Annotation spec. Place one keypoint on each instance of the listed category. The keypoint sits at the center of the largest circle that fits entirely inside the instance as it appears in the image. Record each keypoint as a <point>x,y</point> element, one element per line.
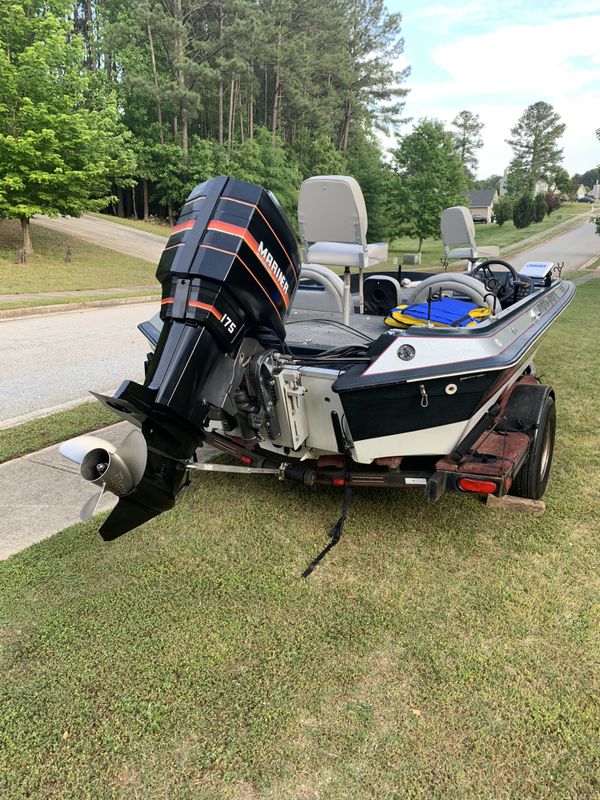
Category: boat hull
<point>425,406</point>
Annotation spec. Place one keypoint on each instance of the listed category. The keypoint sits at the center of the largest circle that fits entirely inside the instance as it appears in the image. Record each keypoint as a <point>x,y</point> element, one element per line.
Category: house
<point>582,191</point>
<point>481,202</point>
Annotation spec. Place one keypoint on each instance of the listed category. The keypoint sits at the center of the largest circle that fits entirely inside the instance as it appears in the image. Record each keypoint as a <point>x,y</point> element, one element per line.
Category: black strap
<point>335,534</point>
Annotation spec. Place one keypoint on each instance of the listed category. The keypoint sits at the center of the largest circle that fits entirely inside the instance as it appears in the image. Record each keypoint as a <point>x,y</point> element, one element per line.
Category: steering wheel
<point>503,290</point>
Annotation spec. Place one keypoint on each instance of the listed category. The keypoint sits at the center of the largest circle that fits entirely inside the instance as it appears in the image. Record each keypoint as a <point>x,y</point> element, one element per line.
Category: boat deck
<point>326,328</point>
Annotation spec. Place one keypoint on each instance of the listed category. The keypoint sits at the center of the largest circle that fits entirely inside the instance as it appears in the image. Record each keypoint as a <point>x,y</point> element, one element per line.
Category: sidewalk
<point>42,493</point>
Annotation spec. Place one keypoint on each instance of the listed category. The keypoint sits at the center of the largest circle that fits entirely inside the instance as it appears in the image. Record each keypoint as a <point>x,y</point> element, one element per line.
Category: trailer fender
<point>524,408</point>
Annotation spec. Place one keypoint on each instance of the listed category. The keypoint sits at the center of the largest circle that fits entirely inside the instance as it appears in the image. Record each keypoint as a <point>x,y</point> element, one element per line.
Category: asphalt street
<point>575,248</point>
<point>48,361</point>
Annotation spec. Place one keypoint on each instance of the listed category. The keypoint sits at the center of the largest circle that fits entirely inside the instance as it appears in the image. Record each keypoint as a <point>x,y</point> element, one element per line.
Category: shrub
<point>503,210</point>
<point>539,208</point>
<point>523,212</point>
<point>552,202</point>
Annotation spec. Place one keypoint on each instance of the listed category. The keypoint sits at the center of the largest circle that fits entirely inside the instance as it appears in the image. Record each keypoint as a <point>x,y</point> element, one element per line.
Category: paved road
<point>48,361</point>
<point>574,247</point>
<point>130,241</point>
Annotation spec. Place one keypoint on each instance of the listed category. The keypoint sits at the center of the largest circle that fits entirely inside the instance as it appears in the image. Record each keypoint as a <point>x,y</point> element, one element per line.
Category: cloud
<point>497,74</point>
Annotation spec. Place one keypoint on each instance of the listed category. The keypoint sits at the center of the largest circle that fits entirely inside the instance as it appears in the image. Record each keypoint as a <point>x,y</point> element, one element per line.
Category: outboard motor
<point>229,271</point>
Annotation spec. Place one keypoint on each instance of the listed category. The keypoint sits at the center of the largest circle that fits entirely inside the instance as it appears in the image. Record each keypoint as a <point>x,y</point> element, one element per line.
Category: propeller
<point>113,469</point>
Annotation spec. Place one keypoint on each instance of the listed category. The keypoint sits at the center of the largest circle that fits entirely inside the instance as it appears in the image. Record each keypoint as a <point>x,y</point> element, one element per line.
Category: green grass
<point>92,267</point>
<point>76,299</point>
<point>442,651</point>
<point>505,236</point>
<point>39,433</point>
<point>161,228</point>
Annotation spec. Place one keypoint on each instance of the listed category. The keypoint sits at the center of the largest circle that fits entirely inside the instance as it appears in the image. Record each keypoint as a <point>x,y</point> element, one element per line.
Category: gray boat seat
<point>319,289</point>
<point>332,217</point>
<point>458,236</point>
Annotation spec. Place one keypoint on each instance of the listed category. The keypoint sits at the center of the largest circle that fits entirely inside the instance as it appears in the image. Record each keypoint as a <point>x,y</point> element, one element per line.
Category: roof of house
<point>478,198</point>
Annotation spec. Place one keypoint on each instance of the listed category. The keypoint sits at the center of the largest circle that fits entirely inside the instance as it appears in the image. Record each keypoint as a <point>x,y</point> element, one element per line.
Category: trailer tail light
<point>338,482</point>
<point>477,486</point>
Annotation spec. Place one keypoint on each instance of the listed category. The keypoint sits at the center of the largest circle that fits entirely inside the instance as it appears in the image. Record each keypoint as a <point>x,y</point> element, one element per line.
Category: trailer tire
<point>532,478</point>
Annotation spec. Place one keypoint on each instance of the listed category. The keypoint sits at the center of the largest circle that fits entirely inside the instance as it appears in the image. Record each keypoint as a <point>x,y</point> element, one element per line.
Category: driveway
<point>130,241</point>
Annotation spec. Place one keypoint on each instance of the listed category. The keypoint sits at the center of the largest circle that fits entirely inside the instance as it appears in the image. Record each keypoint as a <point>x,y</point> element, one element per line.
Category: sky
<point>496,57</point>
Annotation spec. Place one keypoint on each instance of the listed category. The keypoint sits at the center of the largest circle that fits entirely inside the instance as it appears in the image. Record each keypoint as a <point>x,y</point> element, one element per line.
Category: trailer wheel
<point>532,478</point>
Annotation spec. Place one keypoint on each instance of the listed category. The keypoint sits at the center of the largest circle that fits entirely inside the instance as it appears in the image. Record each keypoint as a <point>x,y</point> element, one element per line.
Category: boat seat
<point>319,289</point>
<point>458,236</point>
<point>333,223</point>
<point>347,255</point>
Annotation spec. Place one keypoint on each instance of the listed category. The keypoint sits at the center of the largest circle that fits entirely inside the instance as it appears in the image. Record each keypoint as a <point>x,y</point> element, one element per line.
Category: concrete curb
<point>61,308</point>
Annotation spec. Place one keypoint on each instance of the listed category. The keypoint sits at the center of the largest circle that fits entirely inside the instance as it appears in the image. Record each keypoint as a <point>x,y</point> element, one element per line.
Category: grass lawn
<point>39,433</point>
<point>162,228</point>
<point>83,298</point>
<point>504,236</point>
<point>440,651</point>
<point>92,267</point>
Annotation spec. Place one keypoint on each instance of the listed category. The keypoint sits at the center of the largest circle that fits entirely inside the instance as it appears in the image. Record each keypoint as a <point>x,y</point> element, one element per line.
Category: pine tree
<point>370,83</point>
<point>468,141</point>
<point>503,210</point>
<point>535,145</point>
<point>523,212</point>
<point>539,208</point>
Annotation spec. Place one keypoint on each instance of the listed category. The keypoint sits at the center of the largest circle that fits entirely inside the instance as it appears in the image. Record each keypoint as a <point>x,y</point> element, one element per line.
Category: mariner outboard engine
<point>228,273</point>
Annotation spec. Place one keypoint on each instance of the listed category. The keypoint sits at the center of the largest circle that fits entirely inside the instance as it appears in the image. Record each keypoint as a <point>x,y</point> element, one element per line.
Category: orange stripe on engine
<point>185,226</point>
<point>167,300</point>
<point>244,233</point>
<point>206,307</point>
<point>253,205</point>
<point>247,268</point>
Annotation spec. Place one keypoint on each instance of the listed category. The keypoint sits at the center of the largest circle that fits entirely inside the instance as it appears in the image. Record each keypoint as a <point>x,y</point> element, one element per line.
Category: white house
<point>481,202</point>
<point>581,192</point>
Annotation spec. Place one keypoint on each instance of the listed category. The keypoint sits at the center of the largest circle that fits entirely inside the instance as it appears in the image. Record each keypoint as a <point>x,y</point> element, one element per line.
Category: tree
<point>523,212</point>
<point>56,155</point>
<point>468,141</point>
<point>552,202</point>
<point>503,209</point>
<point>562,180</point>
<point>430,178</point>
<point>535,145</point>
<point>539,208</point>
<point>365,163</point>
<point>369,82</point>
<point>493,182</point>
